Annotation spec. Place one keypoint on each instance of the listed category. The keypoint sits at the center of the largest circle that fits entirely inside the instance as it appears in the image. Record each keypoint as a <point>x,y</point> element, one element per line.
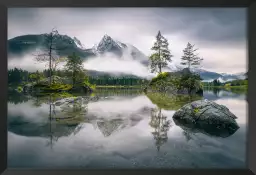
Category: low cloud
<point>112,64</point>
<point>106,63</point>
<point>27,62</point>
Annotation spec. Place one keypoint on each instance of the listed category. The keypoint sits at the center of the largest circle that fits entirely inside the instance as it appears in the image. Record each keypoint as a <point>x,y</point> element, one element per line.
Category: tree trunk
<point>50,61</point>
<point>73,80</point>
<point>189,66</point>
<point>159,65</point>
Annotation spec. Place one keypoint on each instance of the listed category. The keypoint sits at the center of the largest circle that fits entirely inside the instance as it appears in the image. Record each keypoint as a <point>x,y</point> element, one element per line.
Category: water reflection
<point>109,127</point>
<point>116,129</point>
<point>17,98</point>
<point>216,91</point>
<point>59,123</point>
<point>188,135</point>
<point>161,126</point>
<point>66,117</point>
<point>211,93</point>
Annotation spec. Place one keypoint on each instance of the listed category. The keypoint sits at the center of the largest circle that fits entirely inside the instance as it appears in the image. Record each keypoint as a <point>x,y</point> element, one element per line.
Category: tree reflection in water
<point>70,116</point>
<point>161,126</point>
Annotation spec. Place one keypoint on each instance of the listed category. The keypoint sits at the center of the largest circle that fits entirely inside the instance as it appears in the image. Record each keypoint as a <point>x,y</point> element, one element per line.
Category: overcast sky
<point>219,33</point>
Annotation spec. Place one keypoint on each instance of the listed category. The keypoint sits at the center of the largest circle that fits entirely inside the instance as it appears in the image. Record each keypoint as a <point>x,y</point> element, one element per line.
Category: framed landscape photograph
<point>127,88</point>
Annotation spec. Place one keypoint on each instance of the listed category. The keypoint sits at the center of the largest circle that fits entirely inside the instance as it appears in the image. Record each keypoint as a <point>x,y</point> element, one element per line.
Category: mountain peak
<point>107,44</point>
<point>106,36</point>
<point>106,39</point>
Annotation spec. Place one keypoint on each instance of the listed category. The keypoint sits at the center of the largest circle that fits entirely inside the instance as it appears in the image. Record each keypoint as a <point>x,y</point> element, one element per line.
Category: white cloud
<point>110,63</point>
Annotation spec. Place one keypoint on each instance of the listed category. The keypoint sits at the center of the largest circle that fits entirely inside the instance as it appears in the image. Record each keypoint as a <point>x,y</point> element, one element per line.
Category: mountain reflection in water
<point>120,129</point>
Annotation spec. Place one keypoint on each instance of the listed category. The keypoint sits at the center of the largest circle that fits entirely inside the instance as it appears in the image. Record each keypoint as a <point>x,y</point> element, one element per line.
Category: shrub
<point>227,85</point>
<point>87,83</point>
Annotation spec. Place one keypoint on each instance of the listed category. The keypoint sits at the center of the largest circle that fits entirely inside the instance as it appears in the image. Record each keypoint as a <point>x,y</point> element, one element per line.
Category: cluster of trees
<point>161,55</point>
<point>238,83</point>
<point>73,67</point>
<point>229,83</point>
<point>17,75</point>
<point>116,81</point>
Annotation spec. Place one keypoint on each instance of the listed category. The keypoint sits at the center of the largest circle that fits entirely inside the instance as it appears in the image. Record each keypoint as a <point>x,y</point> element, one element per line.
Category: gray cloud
<point>212,29</point>
<point>207,24</point>
<point>211,25</point>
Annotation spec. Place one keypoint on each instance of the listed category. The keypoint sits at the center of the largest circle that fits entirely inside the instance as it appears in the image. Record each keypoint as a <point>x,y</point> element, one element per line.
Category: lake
<point>120,129</point>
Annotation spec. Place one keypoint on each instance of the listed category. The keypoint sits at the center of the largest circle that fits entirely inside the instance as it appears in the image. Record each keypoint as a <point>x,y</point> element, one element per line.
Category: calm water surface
<point>119,130</point>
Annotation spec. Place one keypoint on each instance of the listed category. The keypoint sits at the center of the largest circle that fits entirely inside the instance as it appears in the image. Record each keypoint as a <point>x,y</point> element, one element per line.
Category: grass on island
<point>54,87</point>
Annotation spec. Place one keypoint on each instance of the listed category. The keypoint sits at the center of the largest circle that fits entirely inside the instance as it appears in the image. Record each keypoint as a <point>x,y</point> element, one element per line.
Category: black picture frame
<point>251,144</point>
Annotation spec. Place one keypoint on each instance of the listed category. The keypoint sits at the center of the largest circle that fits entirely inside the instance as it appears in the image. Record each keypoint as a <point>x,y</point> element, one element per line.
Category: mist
<point>108,63</point>
<point>26,62</point>
<point>111,64</point>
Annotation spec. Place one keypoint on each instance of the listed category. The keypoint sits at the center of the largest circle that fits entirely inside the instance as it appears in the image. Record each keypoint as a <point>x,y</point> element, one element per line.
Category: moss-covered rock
<point>59,84</point>
<point>207,117</point>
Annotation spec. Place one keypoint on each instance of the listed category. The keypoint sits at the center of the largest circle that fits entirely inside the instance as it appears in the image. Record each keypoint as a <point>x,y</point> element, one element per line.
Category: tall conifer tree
<point>190,58</point>
<point>161,56</point>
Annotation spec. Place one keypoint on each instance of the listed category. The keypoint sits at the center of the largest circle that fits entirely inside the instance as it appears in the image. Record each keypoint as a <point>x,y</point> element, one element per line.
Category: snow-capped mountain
<point>110,45</point>
<point>107,44</point>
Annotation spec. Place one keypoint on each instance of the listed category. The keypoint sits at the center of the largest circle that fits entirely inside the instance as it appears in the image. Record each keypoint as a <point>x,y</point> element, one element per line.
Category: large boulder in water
<point>207,117</point>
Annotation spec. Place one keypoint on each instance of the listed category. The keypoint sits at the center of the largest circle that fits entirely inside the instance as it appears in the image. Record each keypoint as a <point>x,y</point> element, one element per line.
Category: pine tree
<point>74,65</point>
<point>161,56</point>
<point>190,58</point>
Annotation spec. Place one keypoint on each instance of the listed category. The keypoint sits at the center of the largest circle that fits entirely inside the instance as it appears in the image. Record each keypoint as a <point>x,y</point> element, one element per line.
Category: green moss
<point>196,110</point>
<point>19,89</point>
<point>88,84</point>
<point>159,77</point>
<point>53,87</point>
